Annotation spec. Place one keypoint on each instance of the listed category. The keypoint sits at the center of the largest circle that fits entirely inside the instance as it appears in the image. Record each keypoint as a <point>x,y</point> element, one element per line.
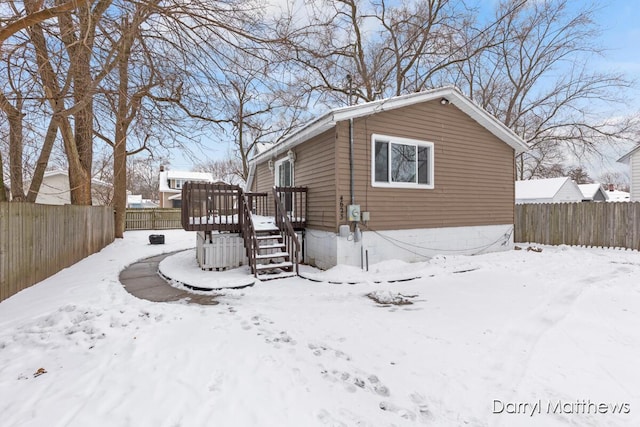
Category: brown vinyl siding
<point>474,173</point>
<point>263,180</point>
<point>315,169</point>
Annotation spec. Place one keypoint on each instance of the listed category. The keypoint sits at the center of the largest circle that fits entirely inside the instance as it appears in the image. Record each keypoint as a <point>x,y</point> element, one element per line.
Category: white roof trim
<point>626,157</point>
<point>453,95</point>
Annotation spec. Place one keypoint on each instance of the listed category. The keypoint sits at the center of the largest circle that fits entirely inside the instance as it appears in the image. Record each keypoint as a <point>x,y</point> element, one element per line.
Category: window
<point>284,173</point>
<point>401,162</point>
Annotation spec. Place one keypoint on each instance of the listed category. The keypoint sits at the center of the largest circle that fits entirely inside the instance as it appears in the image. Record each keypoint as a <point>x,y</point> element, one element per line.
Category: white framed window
<point>401,162</point>
<point>284,173</point>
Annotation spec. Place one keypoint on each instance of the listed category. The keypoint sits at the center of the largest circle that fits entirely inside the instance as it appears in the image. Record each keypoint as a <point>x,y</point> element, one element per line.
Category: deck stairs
<point>271,243</point>
<point>273,261</point>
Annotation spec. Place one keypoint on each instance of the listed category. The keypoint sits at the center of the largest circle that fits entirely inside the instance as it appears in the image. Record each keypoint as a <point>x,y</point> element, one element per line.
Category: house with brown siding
<point>405,178</point>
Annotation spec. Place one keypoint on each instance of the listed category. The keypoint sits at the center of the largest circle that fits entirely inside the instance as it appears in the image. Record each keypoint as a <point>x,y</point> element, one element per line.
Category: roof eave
<point>452,94</point>
<point>627,157</point>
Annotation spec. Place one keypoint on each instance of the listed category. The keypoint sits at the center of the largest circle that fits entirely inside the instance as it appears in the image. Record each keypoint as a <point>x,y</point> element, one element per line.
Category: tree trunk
<point>15,119</point>
<point>83,119</point>
<point>3,192</point>
<point>43,160</point>
<point>122,126</point>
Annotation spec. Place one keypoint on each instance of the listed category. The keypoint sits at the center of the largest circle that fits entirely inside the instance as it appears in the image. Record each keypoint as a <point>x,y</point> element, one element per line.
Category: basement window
<point>401,162</point>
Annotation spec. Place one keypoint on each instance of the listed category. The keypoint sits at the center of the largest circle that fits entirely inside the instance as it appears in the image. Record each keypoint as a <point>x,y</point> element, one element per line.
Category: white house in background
<point>632,158</point>
<point>55,190</point>
<point>171,183</point>
<point>549,190</point>
<point>593,193</point>
<point>135,201</point>
<point>618,196</point>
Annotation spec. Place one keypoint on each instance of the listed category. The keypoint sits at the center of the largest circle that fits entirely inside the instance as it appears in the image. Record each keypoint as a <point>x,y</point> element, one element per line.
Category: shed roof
<point>94,181</point>
<point>589,190</point>
<point>618,196</point>
<point>545,188</point>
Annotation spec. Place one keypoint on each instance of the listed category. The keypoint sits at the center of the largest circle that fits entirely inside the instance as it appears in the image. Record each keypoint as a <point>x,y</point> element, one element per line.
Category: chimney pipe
<point>161,168</point>
<point>611,187</point>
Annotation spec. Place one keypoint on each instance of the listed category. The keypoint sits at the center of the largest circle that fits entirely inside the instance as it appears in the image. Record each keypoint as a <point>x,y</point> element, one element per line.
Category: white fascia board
<point>314,128</point>
<point>489,122</point>
<point>627,157</point>
<point>252,172</point>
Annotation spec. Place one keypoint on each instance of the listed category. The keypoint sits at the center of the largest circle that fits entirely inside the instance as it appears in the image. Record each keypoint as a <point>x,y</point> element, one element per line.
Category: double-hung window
<point>401,162</point>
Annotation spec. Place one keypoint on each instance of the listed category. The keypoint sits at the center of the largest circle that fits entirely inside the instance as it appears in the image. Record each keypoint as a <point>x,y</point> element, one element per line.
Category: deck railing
<point>258,203</point>
<point>249,235</point>
<point>211,207</point>
<point>289,237</point>
<point>294,204</point>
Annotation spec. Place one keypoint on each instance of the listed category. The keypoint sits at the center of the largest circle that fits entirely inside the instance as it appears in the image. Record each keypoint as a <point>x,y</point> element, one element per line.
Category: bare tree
<point>385,47</point>
<point>537,80</point>
<point>225,170</point>
<point>12,25</point>
<point>619,180</point>
<point>257,102</point>
<point>579,175</point>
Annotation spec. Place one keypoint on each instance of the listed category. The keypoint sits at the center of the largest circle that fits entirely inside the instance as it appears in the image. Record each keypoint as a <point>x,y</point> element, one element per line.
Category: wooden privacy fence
<point>37,241</point>
<point>152,219</point>
<point>614,225</point>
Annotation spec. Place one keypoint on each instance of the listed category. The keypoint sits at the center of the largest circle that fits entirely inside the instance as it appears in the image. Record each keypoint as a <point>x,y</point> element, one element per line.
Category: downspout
<point>357,234</point>
<point>352,193</point>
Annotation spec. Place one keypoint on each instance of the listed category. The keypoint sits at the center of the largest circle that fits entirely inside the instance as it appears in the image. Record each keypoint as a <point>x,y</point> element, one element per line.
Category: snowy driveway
<point>551,336</point>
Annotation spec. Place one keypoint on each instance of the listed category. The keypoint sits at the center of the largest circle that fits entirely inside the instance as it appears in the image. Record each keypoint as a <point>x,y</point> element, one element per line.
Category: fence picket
<point>37,241</point>
<point>615,225</point>
<point>153,219</point>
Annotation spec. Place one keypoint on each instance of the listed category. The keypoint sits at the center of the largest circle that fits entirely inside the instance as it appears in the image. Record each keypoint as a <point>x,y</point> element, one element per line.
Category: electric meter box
<point>353,213</point>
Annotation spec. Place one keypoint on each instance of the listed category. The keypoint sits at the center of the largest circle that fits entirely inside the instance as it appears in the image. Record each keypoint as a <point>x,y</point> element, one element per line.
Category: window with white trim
<point>401,162</point>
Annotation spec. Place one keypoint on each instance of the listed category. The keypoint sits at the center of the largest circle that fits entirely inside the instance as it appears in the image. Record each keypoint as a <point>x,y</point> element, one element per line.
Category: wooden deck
<point>219,207</point>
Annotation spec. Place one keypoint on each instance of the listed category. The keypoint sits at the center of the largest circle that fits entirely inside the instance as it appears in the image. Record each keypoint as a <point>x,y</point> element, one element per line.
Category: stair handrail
<point>289,236</point>
<point>249,235</point>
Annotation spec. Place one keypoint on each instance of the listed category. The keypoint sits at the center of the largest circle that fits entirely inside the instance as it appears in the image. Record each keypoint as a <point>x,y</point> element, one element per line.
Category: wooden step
<point>269,237</point>
<point>273,255</point>
<point>275,276</point>
<point>281,265</point>
<point>272,246</point>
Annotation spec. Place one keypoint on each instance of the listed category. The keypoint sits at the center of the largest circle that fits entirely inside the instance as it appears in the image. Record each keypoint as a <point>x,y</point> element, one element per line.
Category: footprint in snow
<point>353,382</point>
<point>420,412</point>
<point>320,349</point>
<point>282,338</point>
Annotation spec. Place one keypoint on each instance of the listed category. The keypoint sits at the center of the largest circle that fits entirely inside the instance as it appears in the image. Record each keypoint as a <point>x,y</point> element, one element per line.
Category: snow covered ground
<point>554,336</point>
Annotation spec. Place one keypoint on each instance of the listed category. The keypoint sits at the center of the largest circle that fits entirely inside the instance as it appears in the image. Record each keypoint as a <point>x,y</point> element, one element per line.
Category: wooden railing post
<point>291,241</point>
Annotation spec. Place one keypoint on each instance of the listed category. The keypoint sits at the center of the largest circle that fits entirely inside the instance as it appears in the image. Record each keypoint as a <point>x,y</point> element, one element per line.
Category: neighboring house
<point>430,173</point>
<point>55,190</point>
<point>593,193</point>
<point>618,196</point>
<point>548,190</point>
<point>135,201</point>
<point>171,183</point>
<point>632,158</point>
